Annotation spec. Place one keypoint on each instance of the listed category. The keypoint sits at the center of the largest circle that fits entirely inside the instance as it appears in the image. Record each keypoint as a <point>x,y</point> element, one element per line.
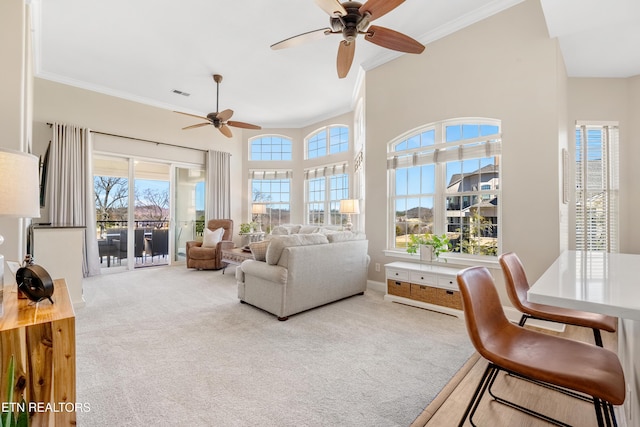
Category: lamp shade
<point>349,206</point>
<point>19,184</point>
<point>259,208</point>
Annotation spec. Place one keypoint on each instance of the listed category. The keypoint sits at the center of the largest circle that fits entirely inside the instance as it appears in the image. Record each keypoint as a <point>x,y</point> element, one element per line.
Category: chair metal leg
<point>477,394</point>
<point>597,337</point>
<point>524,409</point>
<point>523,319</point>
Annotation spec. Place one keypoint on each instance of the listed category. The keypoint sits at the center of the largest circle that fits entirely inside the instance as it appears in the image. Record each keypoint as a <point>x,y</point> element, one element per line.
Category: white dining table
<point>598,282</point>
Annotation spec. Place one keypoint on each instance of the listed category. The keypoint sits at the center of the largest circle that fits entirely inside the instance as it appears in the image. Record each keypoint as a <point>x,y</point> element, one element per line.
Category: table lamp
<point>259,209</point>
<point>19,188</point>
<point>348,207</point>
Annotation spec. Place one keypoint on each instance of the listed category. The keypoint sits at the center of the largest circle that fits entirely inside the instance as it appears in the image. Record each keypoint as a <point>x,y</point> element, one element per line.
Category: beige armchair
<point>204,258</point>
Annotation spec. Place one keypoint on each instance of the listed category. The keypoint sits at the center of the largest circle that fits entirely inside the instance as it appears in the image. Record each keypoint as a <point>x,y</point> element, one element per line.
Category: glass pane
<point>189,209</point>
<point>151,215</point>
<point>111,186</point>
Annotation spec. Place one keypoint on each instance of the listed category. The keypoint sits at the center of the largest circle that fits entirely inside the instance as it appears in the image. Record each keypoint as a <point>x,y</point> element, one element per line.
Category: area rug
<point>171,346</point>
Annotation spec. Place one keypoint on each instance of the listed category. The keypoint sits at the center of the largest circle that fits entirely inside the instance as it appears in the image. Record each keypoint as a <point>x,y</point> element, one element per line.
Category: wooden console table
<point>41,339</point>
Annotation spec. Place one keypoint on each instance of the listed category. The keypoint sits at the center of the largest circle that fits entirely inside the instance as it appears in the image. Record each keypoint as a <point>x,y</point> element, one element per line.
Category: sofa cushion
<point>212,238</point>
<point>278,243</point>
<point>344,236</point>
<point>308,229</point>
<point>259,250</point>
<point>280,231</point>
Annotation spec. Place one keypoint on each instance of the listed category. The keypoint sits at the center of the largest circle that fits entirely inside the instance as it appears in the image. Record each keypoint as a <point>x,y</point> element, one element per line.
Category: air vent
<point>179,92</point>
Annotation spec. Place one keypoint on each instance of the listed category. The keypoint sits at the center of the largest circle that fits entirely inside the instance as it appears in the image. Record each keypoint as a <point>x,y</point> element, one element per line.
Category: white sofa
<point>303,271</point>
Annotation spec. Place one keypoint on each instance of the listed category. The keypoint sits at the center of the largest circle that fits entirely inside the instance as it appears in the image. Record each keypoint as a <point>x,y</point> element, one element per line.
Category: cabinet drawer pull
<point>449,292</point>
<point>398,283</point>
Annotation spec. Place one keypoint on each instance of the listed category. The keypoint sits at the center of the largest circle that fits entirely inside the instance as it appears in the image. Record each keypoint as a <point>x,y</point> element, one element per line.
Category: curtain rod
<point>140,139</point>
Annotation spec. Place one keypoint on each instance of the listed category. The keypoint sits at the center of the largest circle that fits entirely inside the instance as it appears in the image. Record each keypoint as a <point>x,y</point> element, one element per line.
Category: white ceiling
<point>144,49</point>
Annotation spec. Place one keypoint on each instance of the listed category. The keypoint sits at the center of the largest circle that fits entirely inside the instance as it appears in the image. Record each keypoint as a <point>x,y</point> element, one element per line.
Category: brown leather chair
<point>545,359</point>
<point>210,258</point>
<point>517,287</point>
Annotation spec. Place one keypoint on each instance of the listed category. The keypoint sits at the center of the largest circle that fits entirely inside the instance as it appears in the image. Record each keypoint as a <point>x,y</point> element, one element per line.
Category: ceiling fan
<point>351,18</point>
<point>220,120</point>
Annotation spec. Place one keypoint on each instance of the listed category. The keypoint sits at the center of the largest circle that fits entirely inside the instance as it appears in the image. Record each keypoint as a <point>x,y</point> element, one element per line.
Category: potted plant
<point>431,245</point>
<point>245,228</point>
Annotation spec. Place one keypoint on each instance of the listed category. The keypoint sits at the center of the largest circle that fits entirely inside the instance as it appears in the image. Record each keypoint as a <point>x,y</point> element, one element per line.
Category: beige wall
<point>66,104</point>
<point>506,68</point>
<point>14,107</point>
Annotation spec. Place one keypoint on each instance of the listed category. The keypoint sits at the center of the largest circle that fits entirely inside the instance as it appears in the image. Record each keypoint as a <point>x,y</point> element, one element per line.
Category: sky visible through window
<point>422,180</point>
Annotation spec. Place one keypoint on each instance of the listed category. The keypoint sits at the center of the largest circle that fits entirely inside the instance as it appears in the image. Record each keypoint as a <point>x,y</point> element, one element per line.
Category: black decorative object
<point>34,281</point>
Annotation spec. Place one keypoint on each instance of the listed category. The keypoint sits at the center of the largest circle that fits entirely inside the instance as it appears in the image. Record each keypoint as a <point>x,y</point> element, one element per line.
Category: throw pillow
<point>278,243</point>
<point>280,231</point>
<point>212,238</point>
<point>308,229</point>
<point>259,250</point>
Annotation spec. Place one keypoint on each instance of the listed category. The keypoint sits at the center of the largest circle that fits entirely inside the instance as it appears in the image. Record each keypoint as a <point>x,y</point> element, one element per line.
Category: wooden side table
<point>44,336</point>
<point>235,256</point>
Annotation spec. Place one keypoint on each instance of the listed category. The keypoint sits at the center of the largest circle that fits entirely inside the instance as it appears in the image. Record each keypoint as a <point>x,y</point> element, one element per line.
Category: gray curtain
<point>70,196</point>
<point>218,185</point>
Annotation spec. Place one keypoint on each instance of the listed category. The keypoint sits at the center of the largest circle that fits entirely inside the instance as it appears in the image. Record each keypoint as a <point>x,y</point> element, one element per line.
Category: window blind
<point>471,149</point>
<point>597,185</point>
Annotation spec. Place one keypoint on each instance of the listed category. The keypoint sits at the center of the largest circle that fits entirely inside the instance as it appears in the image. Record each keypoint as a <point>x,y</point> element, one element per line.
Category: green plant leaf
<point>8,419</point>
<point>23,416</point>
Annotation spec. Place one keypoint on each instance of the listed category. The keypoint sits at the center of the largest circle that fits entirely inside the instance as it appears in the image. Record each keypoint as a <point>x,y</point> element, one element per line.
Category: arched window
<point>445,179</point>
<point>328,140</point>
<point>270,147</point>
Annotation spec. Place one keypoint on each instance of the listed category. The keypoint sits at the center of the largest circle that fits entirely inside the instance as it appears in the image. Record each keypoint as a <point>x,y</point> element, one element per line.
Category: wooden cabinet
<point>433,287</point>
<point>41,339</point>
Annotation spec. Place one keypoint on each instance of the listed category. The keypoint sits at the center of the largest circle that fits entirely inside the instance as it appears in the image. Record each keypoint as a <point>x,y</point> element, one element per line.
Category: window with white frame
<point>445,179</point>
<point>272,189</point>
<point>270,147</point>
<point>597,184</point>
<point>328,140</point>
<point>325,187</point>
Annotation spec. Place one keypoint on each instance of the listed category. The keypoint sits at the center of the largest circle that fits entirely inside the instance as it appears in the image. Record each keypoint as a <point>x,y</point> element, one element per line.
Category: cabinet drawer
<point>448,282</point>
<point>422,278</point>
<point>436,296</point>
<point>398,288</point>
<point>397,274</point>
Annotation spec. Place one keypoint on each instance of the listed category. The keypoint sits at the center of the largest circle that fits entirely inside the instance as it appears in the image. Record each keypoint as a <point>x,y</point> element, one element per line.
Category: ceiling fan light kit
<point>350,19</point>
<point>219,119</point>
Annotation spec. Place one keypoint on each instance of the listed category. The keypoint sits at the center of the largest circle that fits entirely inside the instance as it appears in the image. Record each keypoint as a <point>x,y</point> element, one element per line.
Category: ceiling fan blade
<point>301,38</point>
<point>196,126</point>
<point>243,125</point>
<point>191,115</point>
<point>225,115</point>
<point>332,7</point>
<point>225,130</point>
<point>377,8</point>
<point>346,51</point>
<point>393,40</point>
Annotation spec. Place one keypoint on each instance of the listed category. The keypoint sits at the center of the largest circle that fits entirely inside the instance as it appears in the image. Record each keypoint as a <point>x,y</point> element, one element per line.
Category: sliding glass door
<point>134,201</point>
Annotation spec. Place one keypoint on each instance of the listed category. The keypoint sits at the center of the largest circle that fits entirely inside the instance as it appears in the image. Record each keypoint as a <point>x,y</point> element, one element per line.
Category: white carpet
<point>170,346</point>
